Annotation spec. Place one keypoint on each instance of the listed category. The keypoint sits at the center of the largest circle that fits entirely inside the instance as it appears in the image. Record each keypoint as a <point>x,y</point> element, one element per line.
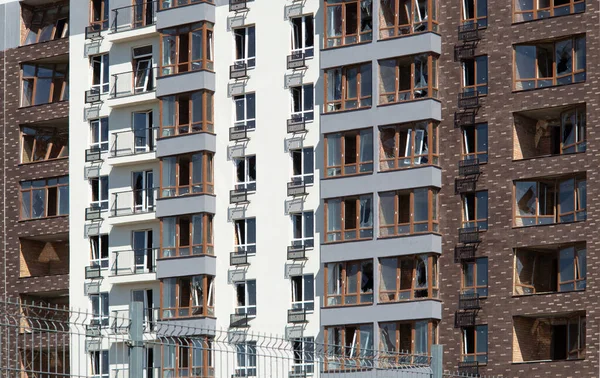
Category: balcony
<point>129,19</point>
<point>93,214</point>
<point>469,301</point>
<point>469,100</point>
<point>296,60</point>
<point>133,87</point>
<point>464,319</point>
<point>238,196</point>
<point>239,258</point>
<point>238,5</point>
<point>466,252</point>
<point>237,133</point>
<point>468,235</point>
<point>93,272</point>
<point>297,316</point>
<point>470,368</point>
<point>93,155</point>
<point>131,206</point>
<point>134,262</point>
<point>468,167</point>
<point>296,124</point>
<point>133,146</point>
<point>239,70</point>
<point>465,185</point>
<point>296,187</point>
<point>469,32</point>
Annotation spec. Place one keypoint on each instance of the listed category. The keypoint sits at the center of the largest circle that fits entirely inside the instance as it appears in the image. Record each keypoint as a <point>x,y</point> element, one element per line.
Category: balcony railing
<point>92,96</point>
<point>238,258</point>
<point>296,252</point>
<point>134,16</point>
<point>296,124</point>
<point>469,100</point>
<point>465,185</point>
<point>238,196</point>
<point>239,70</point>
<point>93,31</point>
<point>470,368</point>
<point>296,315</point>
<point>137,261</point>
<point>133,142</point>
<point>93,272</point>
<point>296,60</point>
<point>239,132</point>
<point>468,235</point>
<point>93,154</point>
<point>466,118</point>
<point>131,83</point>
<point>239,320</point>
<point>136,201</point>
<point>296,188</point>
<point>238,5</point>
<point>466,252</point>
<point>93,213</point>
<point>469,301</point>
<point>465,51</point>
<point>120,320</point>
<point>469,32</point>
<point>464,319</point>
<point>468,167</point>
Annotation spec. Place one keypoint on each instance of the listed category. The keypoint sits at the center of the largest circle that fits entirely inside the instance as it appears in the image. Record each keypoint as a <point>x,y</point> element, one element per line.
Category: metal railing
<point>468,235</point>
<point>136,201</point>
<point>133,82</point>
<point>168,4</point>
<point>468,167</point>
<point>133,142</point>
<point>134,16</point>
<point>137,261</point>
<point>469,32</point>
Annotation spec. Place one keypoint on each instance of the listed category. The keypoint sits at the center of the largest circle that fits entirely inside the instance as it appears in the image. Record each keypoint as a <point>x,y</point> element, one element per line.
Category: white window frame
<point>100,319</point>
<point>103,61</point>
<point>307,50</point>
<point>306,115</point>
<point>307,178</point>
<point>248,123</point>
<point>301,303</point>
<point>101,203</point>
<point>304,354</point>
<point>246,308</point>
<point>249,248</point>
<point>101,145</point>
<point>249,61</point>
<point>96,258</point>
<point>96,369</point>
<point>248,184</point>
<point>246,350</point>
<point>304,240</point>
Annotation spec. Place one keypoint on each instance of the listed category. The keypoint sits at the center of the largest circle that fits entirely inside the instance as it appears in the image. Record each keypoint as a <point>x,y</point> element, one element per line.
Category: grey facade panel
<point>376,248</point>
<point>185,15</point>
<point>185,82</point>
<point>192,204</point>
<point>381,115</point>
<point>185,144</point>
<point>426,309</point>
<point>389,48</point>
<point>10,24</point>
<point>186,266</point>
<point>182,327</point>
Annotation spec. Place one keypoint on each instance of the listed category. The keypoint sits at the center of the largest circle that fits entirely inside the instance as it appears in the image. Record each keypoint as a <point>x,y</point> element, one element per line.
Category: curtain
<point>334,16</point>
<point>366,150</point>
<point>366,344</point>
<point>366,213</point>
<point>421,271</point>
<point>198,234</point>
<point>334,215</point>
<point>387,210</point>
<point>387,16</point>
<point>387,81</point>
<point>421,336</point>
<point>388,278</point>
<point>169,236</point>
<point>168,176</point>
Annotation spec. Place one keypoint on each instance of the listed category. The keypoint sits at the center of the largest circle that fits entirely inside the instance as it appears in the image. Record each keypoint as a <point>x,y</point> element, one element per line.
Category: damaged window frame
<point>408,145</point>
<point>354,342</point>
<point>348,87</point>
<point>475,142</point>
<point>408,78</point>
<point>199,301</point>
<point>473,349</point>
<point>186,49</point>
<point>99,256</point>
<point>245,173</point>
<point>475,75</point>
<point>99,134</point>
<point>304,355</point>
<point>99,14</point>
<point>414,220</point>
<point>245,235</point>
<point>245,302</point>
<point>396,348</point>
<point>303,36</point>
<point>40,143</point>
<point>339,159</point>
<point>398,18</point>
<point>567,271</point>
<point>303,166</point>
<point>475,210</point>
<point>339,228</point>
<point>340,287</point>
<point>54,76</point>
<point>303,234</point>
<point>342,28</point>
<point>173,236</point>
<point>99,363</point>
<point>186,357</point>
<point>45,24</point>
<point>245,111</point>
<point>40,191</point>
<point>533,10</point>
<point>474,277</point>
<point>99,193</point>
<point>244,39</point>
<point>303,292</point>
<point>414,277</point>
<point>477,13</point>
<point>302,102</point>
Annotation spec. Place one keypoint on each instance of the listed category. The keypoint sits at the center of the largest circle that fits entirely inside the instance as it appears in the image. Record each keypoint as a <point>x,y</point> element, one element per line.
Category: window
<point>187,48</point>
<point>245,173</point>
<point>348,22</point>
<point>399,342</point>
<point>182,357</point>
<point>186,113</point>
<point>527,10</point>
<point>303,229</point>
<point>408,277</point>
<point>550,201</point>
<point>550,63</point>
<point>44,143</point>
<point>245,298</point>
<point>99,309</point>
<point>475,277</point>
<point>141,62</point>
<point>187,296</point>
<point>407,78</point>
<point>304,355</point>
<point>99,192</point>
<point>475,142</point>
<point>573,130</point>
<point>245,111</point>
<point>100,363</point>
<point>475,75</point>
<point>349,218</point>
<point>99,251</point>
<point>550,269</point>
<point>407,212</point>
<point>349,153</point>
<point>99,14</point>
<point>245,235</point>
<point>245,46</point>
<point>348,347</point>
<point>303,165</point>
<point>187,174</point>
<point>45,24</point>
<point>245,359</point>
<point>44,83</point>
<point>475,11</point>
<point>475,210</point>
<point>303,37</point>
<point>349,283</point>
<point>99,134</point>
<point>303,292</point>
<point>100,74</point>
<point>303,102</point>
<point>166,4</point>
<point>398,18</point>
<point>408,145</point>
<point>348,88</point>
<point>45,198</point>
<point>474,343</point>
<point>187,235</point>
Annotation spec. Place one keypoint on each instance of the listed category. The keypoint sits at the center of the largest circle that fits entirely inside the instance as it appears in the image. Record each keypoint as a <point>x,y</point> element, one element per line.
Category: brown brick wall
<point>498,242</point>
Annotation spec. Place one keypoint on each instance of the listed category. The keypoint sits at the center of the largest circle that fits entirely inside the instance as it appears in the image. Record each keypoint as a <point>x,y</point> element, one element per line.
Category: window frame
<point>205,125</point>
<point>405,95</point>
<point>329,300</point>
<point>103,61</point>
<point>303,349</point>
<point>551,10</point>
<point>61,79</point>
<point>307,176</point>
<point>180,3</point>
<point>303,35</point>
<point>306,303</point>
<point>207,308</point>
<point>307,238</point>
<point>432,289</point>
<point>580,145</point>
<point>363,359</point>
<point>363,101</point>
<point>345,233</point>
<point>101,202</point>
<point>347,39</point>
<point>399,356</point>
<point>477,130</point>
<point>247,308</point>
<point>102,23</point>
<point>103,361</point>
<point>248,50</point>
<point>100,318</point>
<point>249,248</point>
<point>249,183</point>
<point>481,20</point>
<point>178,347</point>
<point>398,30</point>
<point>306,115</point>
<point>61,182</point>
<point>359,167</point>
<point>480,88</point>
<point>397,161</point>
<point>469,357</point>
<point>206,49</point>
<point>102,127</point>
<point>480,223</point>
<point>432,221</point>
<point>99,251</point>
<point>36,140</point>
<point>207,172</point>
<point>474,266</point>
<point>44,23</point>
<point>246,361</point>
<point>248,101</point>
<point>206,247</point>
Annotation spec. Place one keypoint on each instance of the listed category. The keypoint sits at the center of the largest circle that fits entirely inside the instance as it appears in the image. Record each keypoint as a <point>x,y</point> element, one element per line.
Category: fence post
<point>136,346</point>
<point>437,352</point>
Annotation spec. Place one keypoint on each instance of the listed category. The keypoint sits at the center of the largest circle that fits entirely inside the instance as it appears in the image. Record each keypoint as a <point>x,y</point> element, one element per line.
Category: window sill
<point>345,46</point>
<point>408,101</point>
<point>181,135</point>
<point>186,317</point>
<point>41,43</point>
<point>546,293</point>
<point>410,301</point>
<point>405,235</point>
<point>183,73</point>
<point>544,361</point>
<point>348,305</point>
<point>549,224</point>
<point>345,241</point>
<point>549,86</point>
<point>44,218</point>
<point>185,5</point>
<point>45,104</point>
<point>545,18</point>
<point>161,258</point>
<point>547,156</point>
<point>408,168</point>
<point>346,176</point>
<point>405,35</point>
<point>346,110</point>
<point>186,195</point>
<point>66,158</point>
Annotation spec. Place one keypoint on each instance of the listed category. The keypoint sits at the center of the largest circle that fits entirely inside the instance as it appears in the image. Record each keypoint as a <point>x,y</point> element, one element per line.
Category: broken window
<point>475,75</point>
<point>348,22</point>
<point>245,46</point>
<point>303,292</point>
<point>349,283</point>
<point>349,153</point>
<point>245,111</point>
<point>187,296</point>
<point>304,355</point>
<point>187,48</point>
<point>100,75</point>
<point>527,10</point>
<point>349,218</point>
<point>303,165</point>
<point>99,134</point>
<point>44,143</point>
<point>186,235</point>
<point>475,142</point>
<point>303,35</point>
<point>187,174</point>
<point>303,229</point>
<point>407,78</point>
<point>348,87</point>
<point>475,277</point>
<point>99,14</point>
<point>99,364</point>
<point>99,192</point>
<point>408,212</point>
<point>475,210</point>
<point>399,342</point>
<point>551,63</point>
<point>44,83</point>
<point>100,313</point>
<point>474,11</point>
<point>302,102</point>
<point>245,173</point>
<point>408,277</point>
<point>193,357</point>
<point>99,251</point>
<point>186,113</point>
<point>245,235</point>
<point>408,145</point>
<point>475,344</point>
<point>45,198</point>
<point>353,343</point>
<point>403,17</point>
<point>245,298</point>
<point>45,24</point>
